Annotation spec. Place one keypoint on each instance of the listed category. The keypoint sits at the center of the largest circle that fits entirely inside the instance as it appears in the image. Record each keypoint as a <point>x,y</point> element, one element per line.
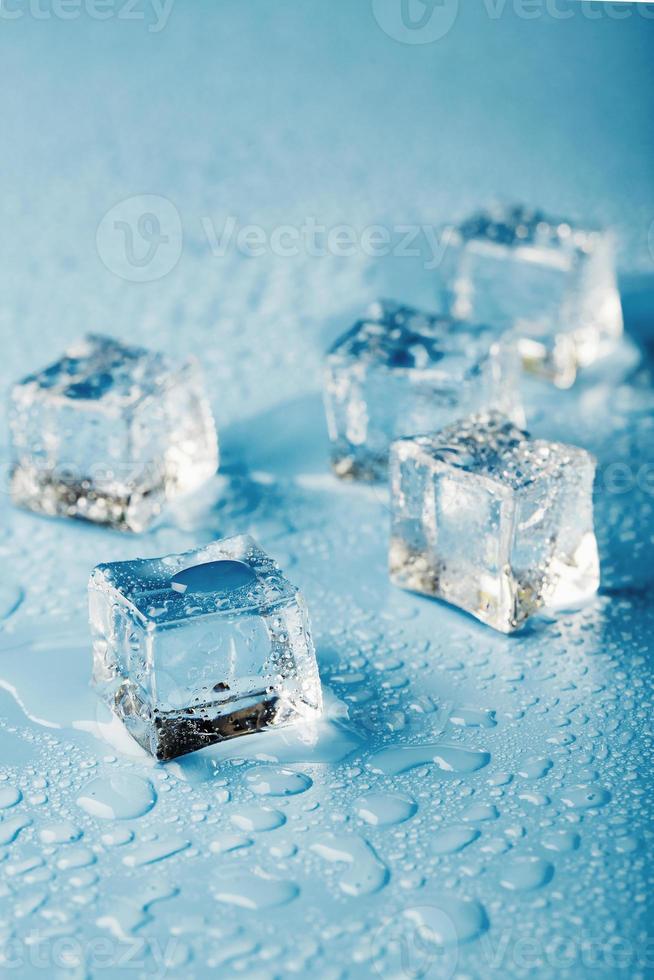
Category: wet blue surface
<point>472,805</point>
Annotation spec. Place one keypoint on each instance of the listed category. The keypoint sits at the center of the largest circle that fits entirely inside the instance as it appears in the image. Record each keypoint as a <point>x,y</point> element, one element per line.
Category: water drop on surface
<point>385,809</point>
<point>450,920</point>
<point>585,797</point>
<point>63,832</point>
<point>395,760</point>
<point>256,819</point>
<point>9,796</point>
<point>277,782</point>
<point>561,841</point>
<point>119,796</point>
<point>450,840</point>
<point>364,873</point>
<point>251,891</point>
<point>526,873</point>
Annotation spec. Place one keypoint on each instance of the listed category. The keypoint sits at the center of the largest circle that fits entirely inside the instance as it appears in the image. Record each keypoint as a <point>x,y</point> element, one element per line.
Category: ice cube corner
<point>192,649</point>
<point>109,433</point>
<point>492,521</point>
<point>398,371</point>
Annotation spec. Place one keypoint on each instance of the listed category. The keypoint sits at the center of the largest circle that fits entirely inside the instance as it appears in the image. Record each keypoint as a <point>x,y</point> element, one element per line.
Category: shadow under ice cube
<point>552,281</point>
<point>492,521</point>
<point>109,433</point>
<point>400,371</point>
<point>196,648</point>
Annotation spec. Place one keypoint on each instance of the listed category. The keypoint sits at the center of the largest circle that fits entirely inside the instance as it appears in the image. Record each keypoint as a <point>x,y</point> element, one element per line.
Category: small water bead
<point>500,779</point>
<point>63,832</point>
<point>76,856</point>
<point>225,843</point>
<point>254,892</point>
<point>9,796</point>
<point>627,845</point>
<point>83,879</point>
<point>14,869</point>
<point>385,809</point>
<point>561,841</point>
<point>257,819</point>
<point>11,827</point>
<point>535,768</point>
<point>536,799</point>
<point>480,812</point>
<point>451,840</point>
<point>585,797</point>
<point>526,873</point>
<point>117,837</point>
<point>395,760</point>
<point>467,717</point>
<point>277,782</point>
<point>449,920</point>
<point>119,796</point>
<point>364,874</point>
<point>154,851</point>
<point>284,850</point>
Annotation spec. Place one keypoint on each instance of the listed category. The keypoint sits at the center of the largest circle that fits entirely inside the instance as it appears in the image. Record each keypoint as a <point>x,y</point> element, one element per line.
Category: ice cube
<point>192,649</point>
<point>554,282</point>
<point>109,433</point>
<point>399,371</point>
<point>493,521</point>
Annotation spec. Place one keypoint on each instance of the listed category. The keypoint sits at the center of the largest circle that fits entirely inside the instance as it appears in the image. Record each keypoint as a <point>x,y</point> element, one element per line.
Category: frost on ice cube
<point>554,282</point>
<point>493,521</point>
<point>108,433</point>
<point>399,371</point>
<point>196,648</point>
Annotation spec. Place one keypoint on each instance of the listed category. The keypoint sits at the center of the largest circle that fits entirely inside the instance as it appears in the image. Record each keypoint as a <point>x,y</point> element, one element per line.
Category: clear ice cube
<point>399,371</point>
<point>553,282</point>
<point>196,648</point>
<point>109,433</point>
<point>493,521</point>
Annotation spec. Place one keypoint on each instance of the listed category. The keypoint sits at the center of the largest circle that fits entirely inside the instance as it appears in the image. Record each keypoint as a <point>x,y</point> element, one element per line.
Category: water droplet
<point>120,796</point>
<point>76,857</point>
<point>586,796</point>
<point>10,828</point>
<point>9,796</point>
<point>229,842</point>
<point>277,782</point>
<point>62,832</point>
<point>250,891</point>
<point>479,812</point>
<point>467,717</point>
<point>385,809</point>
<point>561,841</point>
<point>450,840</point>
<point>535,768</point>
<point>395,760</point>
<point>526,873</point>
<point>155,851</point>
<point>365,872</point>
<point>449,920</point>
<point>256,819</point>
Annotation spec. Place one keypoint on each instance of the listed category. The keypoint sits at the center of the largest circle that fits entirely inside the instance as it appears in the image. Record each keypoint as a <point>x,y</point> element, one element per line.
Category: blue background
<point>269,114</point>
